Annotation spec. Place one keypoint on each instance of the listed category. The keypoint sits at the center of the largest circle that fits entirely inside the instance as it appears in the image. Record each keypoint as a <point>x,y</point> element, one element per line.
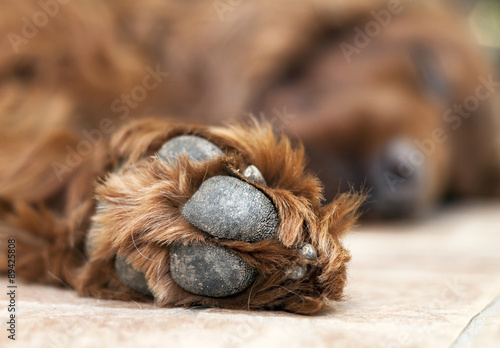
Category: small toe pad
<point>198,149</point>
<point>131,277</point>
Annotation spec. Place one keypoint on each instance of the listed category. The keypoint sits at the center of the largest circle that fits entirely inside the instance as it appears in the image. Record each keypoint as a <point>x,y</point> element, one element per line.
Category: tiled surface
<point>410,285</point>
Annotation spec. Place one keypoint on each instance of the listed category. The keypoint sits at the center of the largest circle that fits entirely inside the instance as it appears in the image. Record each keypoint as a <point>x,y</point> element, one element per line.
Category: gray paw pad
<point>131,277</point>
<point>209,270</point>
<point>198,149</point>
<point>226,207</point>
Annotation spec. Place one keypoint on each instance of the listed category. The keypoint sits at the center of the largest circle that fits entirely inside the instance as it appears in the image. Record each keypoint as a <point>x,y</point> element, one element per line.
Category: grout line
<point>476,324</point>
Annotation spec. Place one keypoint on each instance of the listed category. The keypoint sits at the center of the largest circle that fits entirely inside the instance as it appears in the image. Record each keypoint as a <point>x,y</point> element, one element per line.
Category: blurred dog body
<point>392,95</point>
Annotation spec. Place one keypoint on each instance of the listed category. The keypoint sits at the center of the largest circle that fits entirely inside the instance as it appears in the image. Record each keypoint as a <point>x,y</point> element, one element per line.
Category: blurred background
<point>383,94</point>
<point>484,20</point>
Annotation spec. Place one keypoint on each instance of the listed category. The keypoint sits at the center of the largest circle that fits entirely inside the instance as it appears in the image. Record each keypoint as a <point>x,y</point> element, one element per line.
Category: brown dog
<point>388,93</point>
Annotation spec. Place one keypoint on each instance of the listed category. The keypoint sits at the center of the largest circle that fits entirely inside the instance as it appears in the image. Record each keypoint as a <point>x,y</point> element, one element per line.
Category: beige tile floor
<point>427,284</point>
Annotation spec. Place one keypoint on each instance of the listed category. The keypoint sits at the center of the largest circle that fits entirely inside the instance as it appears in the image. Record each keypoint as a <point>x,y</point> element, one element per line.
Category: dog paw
<point>224,218</point>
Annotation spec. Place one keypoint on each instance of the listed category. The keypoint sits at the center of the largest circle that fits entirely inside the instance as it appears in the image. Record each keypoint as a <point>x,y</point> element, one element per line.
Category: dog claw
<point>131,277</point>
<point>254,174</point>
<point>308,251</point>
<point>198,149</point>
<point>227,207</point>
<point>296,272</point>
<point>207,270</point>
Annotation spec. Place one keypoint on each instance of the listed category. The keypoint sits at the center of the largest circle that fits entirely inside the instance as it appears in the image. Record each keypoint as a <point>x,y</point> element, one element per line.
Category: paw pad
<point>209,270</point>
<point>227,207</point>
<point>131,277</point>
<point>198,148</point>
